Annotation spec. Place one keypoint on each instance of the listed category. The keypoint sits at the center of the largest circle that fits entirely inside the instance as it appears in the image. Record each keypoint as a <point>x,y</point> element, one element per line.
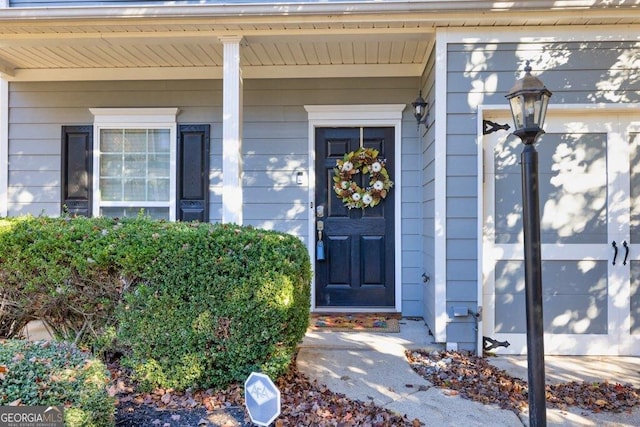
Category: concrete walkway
<point>371,367</point>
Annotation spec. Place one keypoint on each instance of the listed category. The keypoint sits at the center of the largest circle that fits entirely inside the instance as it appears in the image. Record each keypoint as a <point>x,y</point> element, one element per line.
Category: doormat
<point>361,322</point>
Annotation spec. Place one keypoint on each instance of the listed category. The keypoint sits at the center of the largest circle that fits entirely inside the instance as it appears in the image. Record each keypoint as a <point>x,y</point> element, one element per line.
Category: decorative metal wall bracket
<point>489,127</point>
<point>490,343</point>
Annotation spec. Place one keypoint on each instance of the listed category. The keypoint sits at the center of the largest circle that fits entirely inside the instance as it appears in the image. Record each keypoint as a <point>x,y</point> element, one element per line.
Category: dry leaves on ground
<point>304,403</point>
<point>475,378</point>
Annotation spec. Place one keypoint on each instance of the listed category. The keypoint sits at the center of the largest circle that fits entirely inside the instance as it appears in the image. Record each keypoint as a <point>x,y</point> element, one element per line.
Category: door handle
<point>615,252</point>
<point>626,252</point>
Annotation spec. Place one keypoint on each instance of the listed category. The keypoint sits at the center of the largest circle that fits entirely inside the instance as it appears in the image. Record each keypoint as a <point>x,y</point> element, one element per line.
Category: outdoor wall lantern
<point>528,100</point>
<point>420,109</point>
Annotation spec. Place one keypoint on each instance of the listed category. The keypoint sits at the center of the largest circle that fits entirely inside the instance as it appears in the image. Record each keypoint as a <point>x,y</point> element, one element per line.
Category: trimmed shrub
<point>189,304</point>
<point>223,302</point>
<point>70,273</point>
<point>46,373</point>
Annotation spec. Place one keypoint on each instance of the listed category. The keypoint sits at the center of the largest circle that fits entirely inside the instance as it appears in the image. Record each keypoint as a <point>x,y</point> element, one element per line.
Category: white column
<point>231,132</point>
<point>4,4</point>
<point>4,145</point>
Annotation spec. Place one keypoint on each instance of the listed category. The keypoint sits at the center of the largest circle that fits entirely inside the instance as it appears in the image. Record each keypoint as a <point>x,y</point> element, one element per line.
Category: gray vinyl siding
<point>37,111</point>
<point>275,146</point>
<point>579,72</point>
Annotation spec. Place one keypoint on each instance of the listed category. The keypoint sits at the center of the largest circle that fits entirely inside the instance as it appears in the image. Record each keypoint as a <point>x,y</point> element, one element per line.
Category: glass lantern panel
<point>516,110</point>
<point>530,110</point>
<point>544,103</point>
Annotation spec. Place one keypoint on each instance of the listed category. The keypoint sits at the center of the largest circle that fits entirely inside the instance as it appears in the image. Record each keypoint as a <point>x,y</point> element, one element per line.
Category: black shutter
<point>193,173</point>
<point>77,185</point>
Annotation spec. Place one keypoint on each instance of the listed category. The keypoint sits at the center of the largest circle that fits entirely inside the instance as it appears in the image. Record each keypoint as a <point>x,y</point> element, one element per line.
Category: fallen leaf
<point>166,398</point>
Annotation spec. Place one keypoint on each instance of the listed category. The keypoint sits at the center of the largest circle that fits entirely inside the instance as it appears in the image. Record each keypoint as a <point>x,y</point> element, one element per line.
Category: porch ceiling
<point>312,40</point>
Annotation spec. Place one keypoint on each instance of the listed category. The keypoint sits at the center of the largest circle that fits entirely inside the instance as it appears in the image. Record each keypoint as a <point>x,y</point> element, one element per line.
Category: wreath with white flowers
<point>365,161</point>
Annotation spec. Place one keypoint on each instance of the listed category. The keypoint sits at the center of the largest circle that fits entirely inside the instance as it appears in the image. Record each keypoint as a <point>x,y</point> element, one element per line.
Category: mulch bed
<point>306,402</point>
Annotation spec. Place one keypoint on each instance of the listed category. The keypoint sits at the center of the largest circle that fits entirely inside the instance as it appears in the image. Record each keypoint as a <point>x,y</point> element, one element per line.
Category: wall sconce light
<point>420,109</point>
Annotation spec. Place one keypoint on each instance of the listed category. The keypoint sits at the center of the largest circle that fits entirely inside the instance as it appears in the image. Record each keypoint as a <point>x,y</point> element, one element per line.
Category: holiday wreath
<point>365,161</point>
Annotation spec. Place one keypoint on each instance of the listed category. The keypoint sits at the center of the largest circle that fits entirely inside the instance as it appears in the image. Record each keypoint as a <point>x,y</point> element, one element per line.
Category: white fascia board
<point>215,73</point>
<point>297,8</point>
<point>541,34</point>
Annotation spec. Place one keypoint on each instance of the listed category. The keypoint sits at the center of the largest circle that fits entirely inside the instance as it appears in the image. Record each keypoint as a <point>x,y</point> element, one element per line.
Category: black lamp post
<point>528,100</point>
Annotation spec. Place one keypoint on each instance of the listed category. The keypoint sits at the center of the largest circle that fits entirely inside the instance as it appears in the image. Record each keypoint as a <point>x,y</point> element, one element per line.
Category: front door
<point>356,268</point>
<point>590,234</point>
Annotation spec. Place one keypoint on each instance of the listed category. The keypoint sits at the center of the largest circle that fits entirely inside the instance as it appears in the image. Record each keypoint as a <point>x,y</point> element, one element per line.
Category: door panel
<point>358,267</point>
<point>588,199</point>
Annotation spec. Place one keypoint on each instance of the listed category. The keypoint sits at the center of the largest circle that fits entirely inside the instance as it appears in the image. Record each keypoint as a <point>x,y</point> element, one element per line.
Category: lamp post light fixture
<point>528,100</point>
<point>420,109</point>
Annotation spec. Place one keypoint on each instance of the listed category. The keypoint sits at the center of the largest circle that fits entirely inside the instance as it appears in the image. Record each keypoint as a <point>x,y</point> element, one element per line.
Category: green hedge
<point>190,304</point>
<point>223,302</point>
<point>56,374</point>
<point>68,272</point>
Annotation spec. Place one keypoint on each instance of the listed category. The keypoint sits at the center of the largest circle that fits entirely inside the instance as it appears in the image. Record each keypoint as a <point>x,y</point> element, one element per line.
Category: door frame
<point>502,112</point>
<point>374,115</point>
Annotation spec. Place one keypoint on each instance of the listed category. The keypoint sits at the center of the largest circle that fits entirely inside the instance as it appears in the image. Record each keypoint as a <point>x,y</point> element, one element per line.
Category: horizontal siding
<point>39,110</point>
<point>274,147</point>
<point>482,74</point>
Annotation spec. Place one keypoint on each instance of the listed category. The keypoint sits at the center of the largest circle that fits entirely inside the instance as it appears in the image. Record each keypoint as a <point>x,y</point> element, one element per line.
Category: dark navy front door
<point>358,265</point>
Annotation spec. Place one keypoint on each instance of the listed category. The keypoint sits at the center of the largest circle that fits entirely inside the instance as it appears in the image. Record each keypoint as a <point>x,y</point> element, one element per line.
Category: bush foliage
<point>189,304</point>
<point>56,374</point>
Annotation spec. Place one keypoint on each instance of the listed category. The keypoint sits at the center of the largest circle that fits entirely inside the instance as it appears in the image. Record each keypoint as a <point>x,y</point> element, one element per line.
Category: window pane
<point>159,141</point>
<point>158,166</point>
<point>135,168</point>
<point>158,190</point>
<point>111,189</point>
<point>111,165</point>
<point>134,189</point>
<point>135,140</point>
<point>111,140</point>
<point>134,211</point>
<point>135,165</point>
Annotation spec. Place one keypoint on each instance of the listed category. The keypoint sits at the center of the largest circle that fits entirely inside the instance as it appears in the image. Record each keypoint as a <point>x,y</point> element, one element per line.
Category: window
<point>135,162</point>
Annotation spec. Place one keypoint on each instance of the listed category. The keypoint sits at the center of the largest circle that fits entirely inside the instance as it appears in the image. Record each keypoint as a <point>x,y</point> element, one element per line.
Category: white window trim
<point>377,115</point>
<point>135,118</point>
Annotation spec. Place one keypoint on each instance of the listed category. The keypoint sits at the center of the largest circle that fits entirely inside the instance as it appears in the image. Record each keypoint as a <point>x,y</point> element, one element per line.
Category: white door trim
<point>378,115</point>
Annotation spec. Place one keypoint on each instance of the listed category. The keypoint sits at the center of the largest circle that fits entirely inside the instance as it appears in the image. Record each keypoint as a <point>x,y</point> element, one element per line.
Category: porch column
<point>4,146</point>
<point>231,131</point>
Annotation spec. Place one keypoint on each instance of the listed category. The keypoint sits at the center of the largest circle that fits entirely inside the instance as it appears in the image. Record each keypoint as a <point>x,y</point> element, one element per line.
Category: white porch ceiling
<point>313,40</point>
